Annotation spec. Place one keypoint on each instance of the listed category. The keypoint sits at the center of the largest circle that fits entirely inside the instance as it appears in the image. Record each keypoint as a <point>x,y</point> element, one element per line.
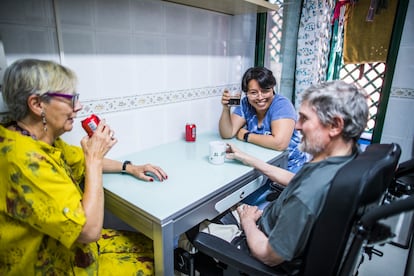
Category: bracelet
<point>246,136</point>
<point>126,162</point>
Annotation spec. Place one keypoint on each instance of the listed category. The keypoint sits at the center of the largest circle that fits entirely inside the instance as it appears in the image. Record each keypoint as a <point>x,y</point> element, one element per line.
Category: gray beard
<point>313,150</point>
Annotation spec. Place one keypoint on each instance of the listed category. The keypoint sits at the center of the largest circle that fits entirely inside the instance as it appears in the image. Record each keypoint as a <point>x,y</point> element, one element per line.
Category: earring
<point>44,121</point>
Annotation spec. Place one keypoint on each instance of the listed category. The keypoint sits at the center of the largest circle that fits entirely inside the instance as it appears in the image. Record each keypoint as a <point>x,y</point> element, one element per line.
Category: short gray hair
<point>339,99</point>
<point>26,77</point>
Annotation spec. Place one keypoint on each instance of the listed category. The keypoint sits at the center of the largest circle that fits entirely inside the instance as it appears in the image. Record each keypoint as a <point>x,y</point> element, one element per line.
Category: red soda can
<point>90,124</point>
<point>190,132</point>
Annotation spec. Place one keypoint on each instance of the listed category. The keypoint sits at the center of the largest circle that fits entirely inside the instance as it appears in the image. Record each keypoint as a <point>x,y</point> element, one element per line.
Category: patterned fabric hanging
<point>313,44</point>
<point>335,57</point>
<point>367,38</point>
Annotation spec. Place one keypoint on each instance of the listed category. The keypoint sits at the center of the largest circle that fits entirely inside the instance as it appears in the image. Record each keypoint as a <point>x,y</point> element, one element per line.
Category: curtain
<point>335,56</point>
<point>313,44</point>
<point>368,30</point>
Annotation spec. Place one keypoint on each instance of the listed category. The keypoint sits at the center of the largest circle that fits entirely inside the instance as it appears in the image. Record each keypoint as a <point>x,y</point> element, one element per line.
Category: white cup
<point>217,152</point>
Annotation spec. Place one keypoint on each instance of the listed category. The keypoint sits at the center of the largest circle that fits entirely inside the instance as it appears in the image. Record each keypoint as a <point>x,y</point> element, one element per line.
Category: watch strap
<point>126,162</point>
<point>246,136</point>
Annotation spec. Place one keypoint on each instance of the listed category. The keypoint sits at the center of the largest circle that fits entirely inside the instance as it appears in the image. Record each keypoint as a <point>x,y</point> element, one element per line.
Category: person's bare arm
<point>256,240</point>
<point>274,173</point>
<point>139,171</point>
<point>282,131</point>
<point>95,148</point>
<point>229,123</point>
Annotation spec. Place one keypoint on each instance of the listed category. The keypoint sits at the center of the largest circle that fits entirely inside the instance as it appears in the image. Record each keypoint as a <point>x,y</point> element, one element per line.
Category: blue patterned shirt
<point>280,108</point>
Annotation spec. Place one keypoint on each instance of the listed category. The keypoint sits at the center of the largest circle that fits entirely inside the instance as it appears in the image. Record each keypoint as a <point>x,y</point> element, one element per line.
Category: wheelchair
<point>363,193</point>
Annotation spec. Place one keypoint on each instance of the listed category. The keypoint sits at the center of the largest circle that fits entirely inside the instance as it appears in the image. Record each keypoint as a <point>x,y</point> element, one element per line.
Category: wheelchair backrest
<point>359,184</point>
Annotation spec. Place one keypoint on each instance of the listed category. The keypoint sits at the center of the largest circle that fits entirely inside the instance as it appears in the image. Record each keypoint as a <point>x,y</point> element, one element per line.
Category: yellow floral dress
<point>41,216</point>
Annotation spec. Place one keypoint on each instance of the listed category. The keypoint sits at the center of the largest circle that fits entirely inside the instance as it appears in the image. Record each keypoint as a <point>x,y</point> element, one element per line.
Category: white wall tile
<point>86,67</point>
<point>113,43</point>
<point>113,15</point>
<point>77,13</point>
<point>408,33</point>
<point>148,16</point>
<point>403,77</point>
<point>28,42</point>
<point>115,75</point>
<point>243,26</point>
<point>220,27</point>
<point>219,73</point>
<point>177,19</point>
<point>242,54</point>
<point>169,61</point>
<point>199,75</point>
<point>78,41</point>
<point>200,23</point>
<point>26,12</point>
<point>399,115</point>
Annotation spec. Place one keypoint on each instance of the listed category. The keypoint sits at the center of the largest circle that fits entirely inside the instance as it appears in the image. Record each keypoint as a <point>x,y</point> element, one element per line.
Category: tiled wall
<point>147,66</point>
<point>399,125</point>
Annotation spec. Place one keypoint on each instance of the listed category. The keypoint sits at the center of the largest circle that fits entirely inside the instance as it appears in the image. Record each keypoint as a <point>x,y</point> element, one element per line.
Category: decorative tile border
<point>110,105</point>
<point>146,100</point>
<point>402,92</point>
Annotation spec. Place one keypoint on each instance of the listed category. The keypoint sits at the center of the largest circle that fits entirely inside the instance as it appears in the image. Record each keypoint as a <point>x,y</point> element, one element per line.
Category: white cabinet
<point>230,6</point>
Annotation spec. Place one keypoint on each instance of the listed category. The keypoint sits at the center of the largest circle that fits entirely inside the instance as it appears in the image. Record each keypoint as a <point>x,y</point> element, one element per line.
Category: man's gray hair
<point>339,99</point>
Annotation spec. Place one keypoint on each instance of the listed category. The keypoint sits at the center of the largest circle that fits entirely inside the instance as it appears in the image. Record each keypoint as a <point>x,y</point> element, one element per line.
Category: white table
<point>195,190</point>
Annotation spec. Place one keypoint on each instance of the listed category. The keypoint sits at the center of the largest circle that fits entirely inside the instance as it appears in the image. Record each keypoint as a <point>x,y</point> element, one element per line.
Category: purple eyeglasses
<point>73,97</point>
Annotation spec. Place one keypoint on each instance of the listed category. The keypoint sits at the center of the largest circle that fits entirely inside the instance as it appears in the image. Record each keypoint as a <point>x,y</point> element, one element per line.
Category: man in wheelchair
<point>332,117</point>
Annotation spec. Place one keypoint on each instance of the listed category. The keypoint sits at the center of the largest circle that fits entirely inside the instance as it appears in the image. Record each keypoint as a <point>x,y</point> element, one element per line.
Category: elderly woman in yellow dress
<point>49,225</point>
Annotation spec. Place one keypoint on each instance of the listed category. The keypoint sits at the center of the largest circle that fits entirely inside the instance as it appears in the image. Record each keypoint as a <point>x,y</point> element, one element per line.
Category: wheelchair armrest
<point>369,219</point>
<point>229,254</point>
<point>405,168</point>
<point>403,182</point>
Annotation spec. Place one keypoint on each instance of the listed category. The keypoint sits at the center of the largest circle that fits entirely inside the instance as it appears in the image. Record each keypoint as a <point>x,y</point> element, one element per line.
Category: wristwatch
<point>246,136</point>
<point>126,162</point>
